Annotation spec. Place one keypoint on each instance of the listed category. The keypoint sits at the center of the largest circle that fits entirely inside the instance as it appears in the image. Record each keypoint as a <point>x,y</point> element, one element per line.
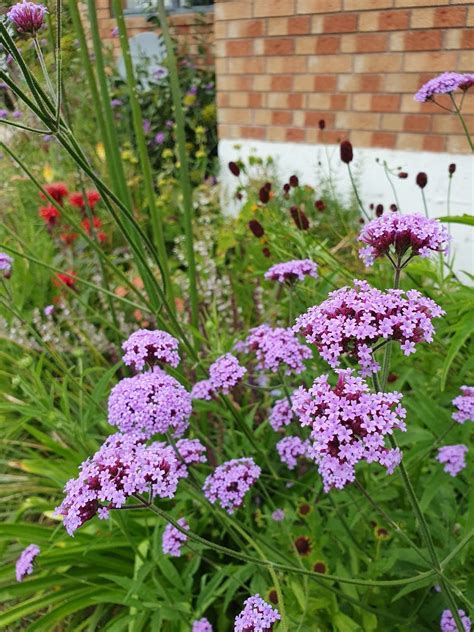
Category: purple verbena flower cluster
<point>280,414</point>
<point>173,538</point>
<point>123,466</point>
<point>398,234</point>
<point>291,271</point>
<point>28,17</point>
<point>443,84</point>
<point>225,373</point>
<point>278,515</point>
<point>201,625</point>
<point>350,320</point>
<point>454,458</point>
<point>24,564</point>
<point>150,403</point>
<point>230,481</point>
<point>257,616</point>
<point>149,347</point>
<point>465,405</point>
<point>6,264</point>
<point>348,424</point>
<point>191,451</point>
<point>291,449</point>
<point>276,349</point>
<point>448,624</point>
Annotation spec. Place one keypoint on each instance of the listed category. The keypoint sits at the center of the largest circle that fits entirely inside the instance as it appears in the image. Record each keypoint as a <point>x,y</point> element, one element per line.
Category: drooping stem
<point>356,193</point>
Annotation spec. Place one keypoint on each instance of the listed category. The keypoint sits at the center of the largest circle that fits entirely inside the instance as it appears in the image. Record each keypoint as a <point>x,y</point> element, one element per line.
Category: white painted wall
<point>302,159</point>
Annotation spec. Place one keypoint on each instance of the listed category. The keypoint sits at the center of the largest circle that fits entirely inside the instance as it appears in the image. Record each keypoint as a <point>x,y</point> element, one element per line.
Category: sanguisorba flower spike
<point>397,236</point>
<point>348,424</point>
<point>28,17</point>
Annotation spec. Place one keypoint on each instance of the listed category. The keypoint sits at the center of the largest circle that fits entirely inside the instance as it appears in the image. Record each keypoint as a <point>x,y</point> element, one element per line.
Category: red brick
<point>295,134</point>
<point>340,23</point>
<point>264,8</point>
<point>239,47</point>
<point>371,43</point>
<point>325,83</point>
<point>370,83</point>
<point>394,20</point>
<point>255,99</point>
<point>423,40</point>
<point>279,46</point>
<point>257,133</point>
<point>311,119</point>
<point>282,83</point>
<point>467,39</point>
<point>299,25</point>
<point>434,143</point>
<point>417,123</point>
<point>295,101</point>
<point>338,102</point>
<point>386,102</point>
<point>327,44</point>
<point>245,28</point>
<point>282,117</point>
<point>383,139</point>
<point>449,16</point>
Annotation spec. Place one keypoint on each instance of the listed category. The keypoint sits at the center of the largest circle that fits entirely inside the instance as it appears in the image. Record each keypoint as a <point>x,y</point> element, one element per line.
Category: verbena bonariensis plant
<point>342,427</point>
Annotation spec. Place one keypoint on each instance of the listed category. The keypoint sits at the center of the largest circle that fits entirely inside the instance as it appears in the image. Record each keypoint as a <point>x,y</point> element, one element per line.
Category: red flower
<point>77,199</point>
<point>65,278</point>
<point>50,215</point>
<point>256,228</point>
<point>299,217</point>
<point>68,238</point>
<point>346,152</point>
<point>86,224</point>
<point>102,237</point>
<point>320,206</point>
<point>57,190</point>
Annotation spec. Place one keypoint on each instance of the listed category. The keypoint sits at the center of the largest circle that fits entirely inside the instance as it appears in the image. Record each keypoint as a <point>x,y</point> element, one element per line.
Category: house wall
<point>282,65</point>
<point>190,29</point>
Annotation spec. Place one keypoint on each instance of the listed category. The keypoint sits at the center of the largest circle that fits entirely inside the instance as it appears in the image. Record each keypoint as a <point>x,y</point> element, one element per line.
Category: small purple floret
<point>257,616</point>
<point>24,564</point>
<point>453,457</point>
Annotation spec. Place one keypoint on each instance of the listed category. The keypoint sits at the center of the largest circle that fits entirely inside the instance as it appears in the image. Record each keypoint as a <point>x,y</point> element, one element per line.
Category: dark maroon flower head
<point>320,206</point>
<point>268,186</point>
<point>234,169</point>
<point>273,597</point>
<point>266,252</point>
<point>299,218</point>
<point>286,188</point>
<point>319,567</point>
<point>422,179</point>
<point>452,168</point>
<point>322,124</point>
<point>346,152</point>
<point>304,509</point>
<point>263,195</point>
<point>238,195</point>
<point>371,206</point>
<point>294,181</point>
<point>303,545</point>
<point>393,208</point>
<point>379,210</point>
<point>392,377</point>
<point>403,175</point>
<point>256,228</point>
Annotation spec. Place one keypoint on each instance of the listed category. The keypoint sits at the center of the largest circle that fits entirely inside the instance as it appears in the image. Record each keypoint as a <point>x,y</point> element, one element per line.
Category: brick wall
<point>282,65</point>
<point>190,29</point>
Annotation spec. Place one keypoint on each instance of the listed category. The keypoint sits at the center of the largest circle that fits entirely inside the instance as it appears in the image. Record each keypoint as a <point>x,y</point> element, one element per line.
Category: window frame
<point>174,10</point>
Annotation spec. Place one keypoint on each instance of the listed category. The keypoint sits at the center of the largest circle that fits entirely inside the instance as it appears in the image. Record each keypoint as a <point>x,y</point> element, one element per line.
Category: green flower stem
<point>463,122</point>
<point>58,55</point>
<point>425,205</point>
<point>44,70</point>
<point>276,565</point>
<point>156,219</point>
<point>394,190</point>
<point>186,190</point>
<point>24,127</point>
<point>356,193</point>
<point>409,488</point>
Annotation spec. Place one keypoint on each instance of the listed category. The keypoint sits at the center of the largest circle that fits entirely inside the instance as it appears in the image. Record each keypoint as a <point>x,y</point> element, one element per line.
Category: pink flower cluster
<point>150,403</point>
<point>173,538</point>
<point>201,625</point>
<point>225,373</point>
<point>453,456</point>
<point>291,271</point>
<point>275,348</point>
<point>28,17</point>
<point>24,564</point>
<point>351,320</point>
<point>257,616</point>
<point>397,234</point>
<point>348,424</point>
<point>123,466</point>
<point>465,405</point>
<point>149,347</point>
<point>191,451</point>
<point>291,449</point>
<point>230,481</point>
<point>443,84</point>
<point>281,414</point>
<point>448,624</point>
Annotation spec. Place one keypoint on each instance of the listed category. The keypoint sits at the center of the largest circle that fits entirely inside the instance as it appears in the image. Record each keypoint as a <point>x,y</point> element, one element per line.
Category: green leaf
<point>464,329</point>
<point>458,219</point>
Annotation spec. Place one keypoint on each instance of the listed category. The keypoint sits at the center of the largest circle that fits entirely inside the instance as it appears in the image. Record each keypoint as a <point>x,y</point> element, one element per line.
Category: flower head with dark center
<point>320,567</point>
<point>303,545</point>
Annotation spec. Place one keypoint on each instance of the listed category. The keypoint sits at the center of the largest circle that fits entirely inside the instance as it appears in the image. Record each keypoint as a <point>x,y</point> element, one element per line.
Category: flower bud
<point>379,210</point>
<point>299,218</point>
<point>403,175</point>
<point>452,168</point>
<point>346,152</point>
<point>234,169</point>
<point>322,124</point>
<point>263,195</point>
<point>256,228</point>
<point>294,181</point>
<point>422,179</point>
